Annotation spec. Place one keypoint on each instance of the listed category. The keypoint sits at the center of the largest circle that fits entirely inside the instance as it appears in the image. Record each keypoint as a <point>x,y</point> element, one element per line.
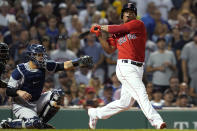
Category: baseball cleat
<point>92,121</point>
<point>163,125</point>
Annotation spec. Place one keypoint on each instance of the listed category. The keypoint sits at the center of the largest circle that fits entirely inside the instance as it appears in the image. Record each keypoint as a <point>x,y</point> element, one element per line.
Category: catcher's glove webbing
<point>84,61</point>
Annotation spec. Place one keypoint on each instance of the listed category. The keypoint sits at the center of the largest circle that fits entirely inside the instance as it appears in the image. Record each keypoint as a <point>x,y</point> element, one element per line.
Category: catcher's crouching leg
<point>31,123</point>
<point>53,106</point>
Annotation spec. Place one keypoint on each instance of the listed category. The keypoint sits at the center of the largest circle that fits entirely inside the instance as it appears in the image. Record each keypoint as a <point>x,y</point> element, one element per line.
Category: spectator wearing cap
<point>5,17</point>
<point>189,68</point>
<point>63,10</point>
<point>72,10</point>
<point>98,86</point>
<point>157,101</point>
<point>90,99</point>
<point>46,12</point>
<point>162,64</point>
<point>168,98</point>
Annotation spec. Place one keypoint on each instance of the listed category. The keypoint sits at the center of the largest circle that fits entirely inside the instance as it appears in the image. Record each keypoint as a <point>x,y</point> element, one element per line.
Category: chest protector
<point>33,82</point>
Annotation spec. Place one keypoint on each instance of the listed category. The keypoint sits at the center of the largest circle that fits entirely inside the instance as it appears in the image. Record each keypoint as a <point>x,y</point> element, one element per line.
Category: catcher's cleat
<point>163,125</point>
<point>92,120</point>
<point>5,124</point>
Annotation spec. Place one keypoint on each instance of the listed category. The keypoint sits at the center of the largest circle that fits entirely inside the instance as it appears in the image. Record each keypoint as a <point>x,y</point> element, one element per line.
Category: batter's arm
<point>133,25</point>
<point>108,45</point>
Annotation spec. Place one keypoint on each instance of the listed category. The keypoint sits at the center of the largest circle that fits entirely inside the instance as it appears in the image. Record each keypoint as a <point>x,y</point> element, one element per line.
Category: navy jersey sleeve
<point>53,66</point>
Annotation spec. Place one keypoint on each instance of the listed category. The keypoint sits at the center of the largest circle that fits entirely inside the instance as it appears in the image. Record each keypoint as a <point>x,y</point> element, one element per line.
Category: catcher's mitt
<point>86,61</point>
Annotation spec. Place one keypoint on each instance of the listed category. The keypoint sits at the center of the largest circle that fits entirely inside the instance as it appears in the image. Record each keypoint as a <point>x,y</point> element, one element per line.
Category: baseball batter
<point>129,38</point>
<point>32,107</point>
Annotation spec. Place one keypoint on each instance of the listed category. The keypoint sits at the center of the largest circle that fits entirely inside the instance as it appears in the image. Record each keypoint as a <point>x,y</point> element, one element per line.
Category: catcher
<point>32,108</point>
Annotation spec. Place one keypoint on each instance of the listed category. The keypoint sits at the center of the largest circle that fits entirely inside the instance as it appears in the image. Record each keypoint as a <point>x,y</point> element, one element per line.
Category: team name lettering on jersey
<point>123,39</point>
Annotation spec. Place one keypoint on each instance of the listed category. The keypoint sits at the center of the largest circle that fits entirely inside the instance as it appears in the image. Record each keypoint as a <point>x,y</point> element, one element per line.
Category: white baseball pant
<point>132,89</point>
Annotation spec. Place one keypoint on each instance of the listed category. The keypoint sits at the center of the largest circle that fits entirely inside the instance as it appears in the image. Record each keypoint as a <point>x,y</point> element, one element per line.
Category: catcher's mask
<point>129,6</point>
<point>37,54</point>
<point>4,53</point>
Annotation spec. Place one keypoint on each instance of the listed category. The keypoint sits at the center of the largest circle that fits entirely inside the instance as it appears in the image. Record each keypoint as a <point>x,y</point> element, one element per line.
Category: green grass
<point>93,130</point>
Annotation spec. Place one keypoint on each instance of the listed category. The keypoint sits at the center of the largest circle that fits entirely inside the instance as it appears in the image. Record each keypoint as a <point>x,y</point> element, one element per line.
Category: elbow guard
<point>11,92</point>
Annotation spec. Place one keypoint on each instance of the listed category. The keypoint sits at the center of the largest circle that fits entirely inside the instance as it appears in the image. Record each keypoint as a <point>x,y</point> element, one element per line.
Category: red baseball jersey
<point>129,39</point>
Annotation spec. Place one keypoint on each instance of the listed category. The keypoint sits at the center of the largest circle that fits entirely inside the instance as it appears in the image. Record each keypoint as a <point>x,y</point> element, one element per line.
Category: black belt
<point>132,62</point>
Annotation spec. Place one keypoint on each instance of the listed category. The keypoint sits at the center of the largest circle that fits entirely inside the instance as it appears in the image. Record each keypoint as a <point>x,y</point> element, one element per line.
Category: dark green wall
<point>132,119</point>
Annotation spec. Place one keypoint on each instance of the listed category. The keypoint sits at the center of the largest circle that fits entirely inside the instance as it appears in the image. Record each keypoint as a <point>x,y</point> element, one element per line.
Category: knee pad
<point>56,96</point>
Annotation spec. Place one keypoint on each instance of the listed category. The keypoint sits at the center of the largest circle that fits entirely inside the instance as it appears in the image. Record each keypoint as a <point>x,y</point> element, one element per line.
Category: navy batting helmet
<point>33,50</point>
<point>129,6</point>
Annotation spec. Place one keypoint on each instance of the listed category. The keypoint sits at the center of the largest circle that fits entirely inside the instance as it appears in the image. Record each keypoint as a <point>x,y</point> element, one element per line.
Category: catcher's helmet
<point>33,50</point>
<point>129,6</point>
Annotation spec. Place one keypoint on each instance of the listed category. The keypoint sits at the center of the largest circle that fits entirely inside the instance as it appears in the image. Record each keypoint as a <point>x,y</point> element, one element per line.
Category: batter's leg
<point>131,77</point>
<point>125,102</point>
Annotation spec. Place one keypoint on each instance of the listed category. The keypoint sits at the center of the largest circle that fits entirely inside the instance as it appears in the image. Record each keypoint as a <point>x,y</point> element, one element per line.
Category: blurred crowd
<point>170,65</point>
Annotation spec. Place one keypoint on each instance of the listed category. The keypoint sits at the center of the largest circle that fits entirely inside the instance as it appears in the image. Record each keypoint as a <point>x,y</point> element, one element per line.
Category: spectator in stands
<point>74,44</point>
<point>174,86</point>
<point>94,49</point>
<point>85,16</point>
<point>189,68</point>
<point>107,94</point>
<point>157,101</point>
<point>33,34</point>
<point>52,30</point>
<point>183,101</point>
<point>83,76</point>
<point>162,64</point>
<point>74,94</point>
<point>111,60</point>
<point>3,97</point>
<point>148,19</point>
<point>149,90</point>
<point>98,86</point>
<point>62,53</point>
<point>90,99</point>
<point>5,17</point>
<point>164,7</point>
<point>10,36</point>
<point>49,84</point>
<point>168,98</point>
<point>46,12</point>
